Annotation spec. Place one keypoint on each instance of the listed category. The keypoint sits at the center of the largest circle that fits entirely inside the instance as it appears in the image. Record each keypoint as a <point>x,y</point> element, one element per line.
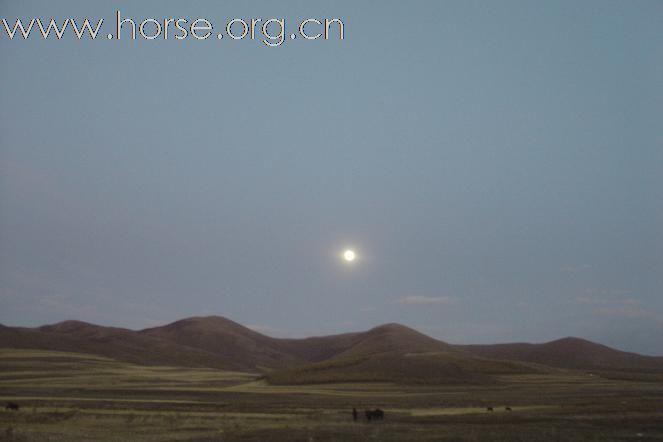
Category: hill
<point>245,348</point>
<point>571,353</point>
<point>391,353</point>
<point>116,343</point>
<point>381,339</point>
<point>388,353</point>
<point>403,368</point>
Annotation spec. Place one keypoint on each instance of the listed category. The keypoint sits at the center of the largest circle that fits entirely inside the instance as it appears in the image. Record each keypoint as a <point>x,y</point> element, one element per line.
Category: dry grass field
<point>77,397</point>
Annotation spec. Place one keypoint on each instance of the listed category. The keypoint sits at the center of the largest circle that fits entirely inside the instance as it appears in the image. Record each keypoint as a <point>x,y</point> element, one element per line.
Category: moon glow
<point>349,255</point>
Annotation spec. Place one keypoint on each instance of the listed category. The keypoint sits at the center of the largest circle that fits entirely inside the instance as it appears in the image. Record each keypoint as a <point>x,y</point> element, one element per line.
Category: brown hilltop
<point>381,339</point>
<point>569,352</point>
<point>253,350</point>
<point>395,338</point>
<point>117,343</point>
<point>387,353</point>
<point>390,353</point>
<point>246,348</point>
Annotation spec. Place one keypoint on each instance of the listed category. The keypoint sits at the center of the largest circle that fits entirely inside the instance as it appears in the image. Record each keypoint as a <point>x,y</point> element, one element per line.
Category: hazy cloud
<point>633,312</point>
<point>619,307</point>
<point>613,298</point>
<point>418,300</point>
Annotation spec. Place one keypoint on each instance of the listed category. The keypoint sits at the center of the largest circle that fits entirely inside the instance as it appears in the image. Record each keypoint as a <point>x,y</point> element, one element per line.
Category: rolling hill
<point>391,353</point>
<point>388,353</point>
<point>245,348</point>
<point>381,339</point>
<point>116,343</point>
<point>571,353</point>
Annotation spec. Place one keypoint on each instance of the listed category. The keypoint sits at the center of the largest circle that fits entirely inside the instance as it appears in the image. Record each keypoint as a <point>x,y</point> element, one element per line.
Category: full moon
<point>349,255</point>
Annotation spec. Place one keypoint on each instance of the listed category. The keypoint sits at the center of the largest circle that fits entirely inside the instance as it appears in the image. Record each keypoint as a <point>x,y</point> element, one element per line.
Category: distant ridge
<point>569,352</point>
<point>244,347</point>
<point>117,343</point>
<point>392,353</point>
<point>381,339</point>
<point>387,353</point>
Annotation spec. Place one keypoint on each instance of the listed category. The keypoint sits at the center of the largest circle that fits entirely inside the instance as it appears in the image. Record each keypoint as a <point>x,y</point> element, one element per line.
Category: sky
<point>496,166</point>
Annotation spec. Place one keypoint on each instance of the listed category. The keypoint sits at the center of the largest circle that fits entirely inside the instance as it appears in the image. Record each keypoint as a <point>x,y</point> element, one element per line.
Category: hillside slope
<point>381,339</point>
<point>229,340</point>
<point>116,343</point>
<point>394,353</point>
<point>389,353</point>
<point>572,353</point>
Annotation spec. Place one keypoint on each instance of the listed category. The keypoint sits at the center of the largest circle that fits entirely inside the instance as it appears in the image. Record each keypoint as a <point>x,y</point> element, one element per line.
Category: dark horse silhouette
<point>12,406</point>
<point>489,408</point>
<point>374,414</point>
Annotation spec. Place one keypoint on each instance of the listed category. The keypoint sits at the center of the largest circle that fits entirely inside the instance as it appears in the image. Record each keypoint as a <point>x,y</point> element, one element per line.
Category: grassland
<point>77,397</point>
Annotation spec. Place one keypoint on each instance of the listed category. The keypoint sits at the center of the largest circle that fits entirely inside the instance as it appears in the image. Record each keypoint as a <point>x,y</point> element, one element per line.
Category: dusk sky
<point>496,166</point>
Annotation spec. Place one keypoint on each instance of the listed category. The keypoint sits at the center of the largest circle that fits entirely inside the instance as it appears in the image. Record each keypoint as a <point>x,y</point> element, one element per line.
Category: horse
<point>374,414</point>
<point>489,408</point>
<point>12,406</point>
<point>507,408</point>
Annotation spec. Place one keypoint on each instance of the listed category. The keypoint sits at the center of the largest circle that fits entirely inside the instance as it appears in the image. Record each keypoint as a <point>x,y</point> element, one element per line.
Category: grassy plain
<point>76,397</point>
